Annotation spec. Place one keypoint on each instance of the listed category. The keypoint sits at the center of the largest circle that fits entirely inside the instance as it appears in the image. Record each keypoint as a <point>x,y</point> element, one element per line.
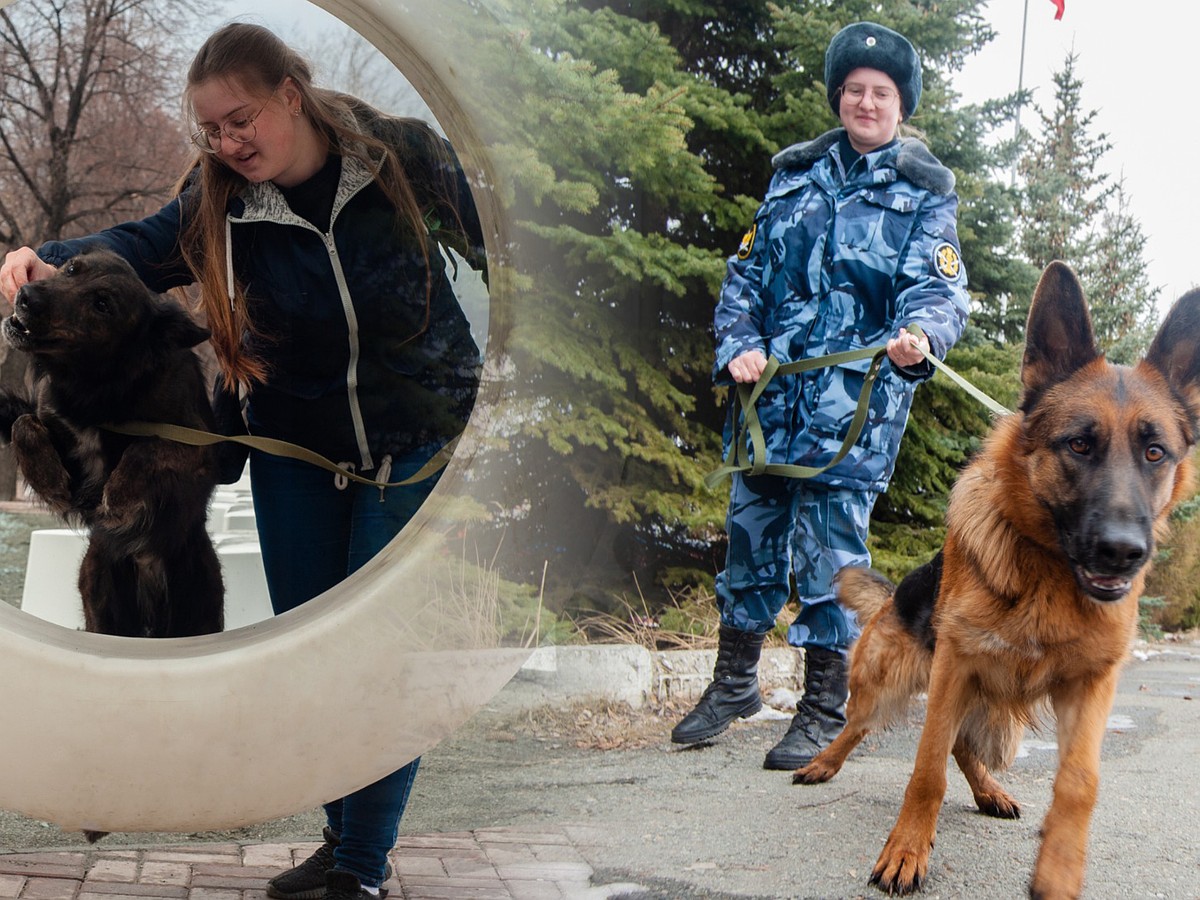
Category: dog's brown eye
<point>72,268</point>
<point>1155,453</point>
<point>1082,446</point>
<point>100,305</point>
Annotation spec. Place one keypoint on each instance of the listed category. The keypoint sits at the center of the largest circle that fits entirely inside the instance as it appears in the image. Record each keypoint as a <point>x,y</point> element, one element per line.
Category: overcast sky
<point>1147,111</point>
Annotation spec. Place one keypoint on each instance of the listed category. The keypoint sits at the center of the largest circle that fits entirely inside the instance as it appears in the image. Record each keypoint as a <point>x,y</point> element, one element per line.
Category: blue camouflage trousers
<point>781,527</point>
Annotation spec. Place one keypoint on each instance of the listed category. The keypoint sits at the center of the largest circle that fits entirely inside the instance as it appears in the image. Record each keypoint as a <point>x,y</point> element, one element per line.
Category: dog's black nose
<point>1121,549</point>
<point>26,297</point>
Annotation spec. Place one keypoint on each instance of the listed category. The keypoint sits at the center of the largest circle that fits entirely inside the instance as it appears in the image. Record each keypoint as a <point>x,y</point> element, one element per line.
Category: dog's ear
<point>1058,335</point>
<point>1175,351</point>
<point>175,328</point>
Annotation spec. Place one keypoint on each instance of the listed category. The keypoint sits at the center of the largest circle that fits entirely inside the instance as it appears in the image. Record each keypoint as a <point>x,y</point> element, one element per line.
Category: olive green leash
<point>749,441</point>
<point>198,438</point>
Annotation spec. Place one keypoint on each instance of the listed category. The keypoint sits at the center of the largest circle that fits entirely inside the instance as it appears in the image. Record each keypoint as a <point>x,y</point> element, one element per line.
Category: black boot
<point>733,692</point>
<point>820,714</point>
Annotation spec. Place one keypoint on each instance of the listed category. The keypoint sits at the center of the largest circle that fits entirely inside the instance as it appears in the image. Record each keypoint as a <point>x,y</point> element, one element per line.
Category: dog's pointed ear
<point>1175,350</point>
<point>176,328</point>
<point>1058,334</point>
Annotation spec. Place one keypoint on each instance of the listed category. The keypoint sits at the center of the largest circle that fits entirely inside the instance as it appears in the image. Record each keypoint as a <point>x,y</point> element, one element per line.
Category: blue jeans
<point>313,536</point>
<point>784,528</point>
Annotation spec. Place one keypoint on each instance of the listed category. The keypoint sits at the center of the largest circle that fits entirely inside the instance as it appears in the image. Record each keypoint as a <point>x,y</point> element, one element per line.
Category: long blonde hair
<point>256,60</point>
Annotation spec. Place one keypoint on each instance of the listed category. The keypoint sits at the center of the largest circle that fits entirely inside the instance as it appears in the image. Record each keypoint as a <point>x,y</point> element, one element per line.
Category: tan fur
<point>1014,629</point>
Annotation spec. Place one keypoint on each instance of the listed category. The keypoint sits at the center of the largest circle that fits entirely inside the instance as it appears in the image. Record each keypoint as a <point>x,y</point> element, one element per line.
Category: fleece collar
<point>263,202</point>
<point>914,161</point>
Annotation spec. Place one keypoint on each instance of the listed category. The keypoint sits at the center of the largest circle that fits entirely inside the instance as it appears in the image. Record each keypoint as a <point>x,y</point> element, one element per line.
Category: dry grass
<point>690,621</point>
<point>465,611</point>
<point>594,725</point>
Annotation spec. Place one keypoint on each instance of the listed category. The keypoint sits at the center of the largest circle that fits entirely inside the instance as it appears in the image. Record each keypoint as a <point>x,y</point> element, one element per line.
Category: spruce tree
<point>1116,278</point>
<point>1073,211</point>
<point>1065,190</point>
<point>632,161</point>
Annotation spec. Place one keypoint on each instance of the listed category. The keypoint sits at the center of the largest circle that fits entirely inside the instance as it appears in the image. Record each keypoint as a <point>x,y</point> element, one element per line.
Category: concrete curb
<point>632,674</point>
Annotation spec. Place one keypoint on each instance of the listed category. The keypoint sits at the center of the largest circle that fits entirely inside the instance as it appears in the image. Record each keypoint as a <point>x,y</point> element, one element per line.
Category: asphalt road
<point>710,822</point>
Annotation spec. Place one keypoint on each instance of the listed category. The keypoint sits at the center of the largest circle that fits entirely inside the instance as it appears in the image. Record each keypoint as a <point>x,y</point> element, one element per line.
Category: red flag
<point>1059,5</point>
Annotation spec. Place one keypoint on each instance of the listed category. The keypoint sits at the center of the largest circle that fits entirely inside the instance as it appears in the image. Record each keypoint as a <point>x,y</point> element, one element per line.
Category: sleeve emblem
<point>947,262</point>
<point>747,243</point>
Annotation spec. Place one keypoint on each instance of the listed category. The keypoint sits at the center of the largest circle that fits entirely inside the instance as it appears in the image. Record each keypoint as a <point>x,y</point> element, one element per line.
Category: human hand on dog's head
<point>20,267</point>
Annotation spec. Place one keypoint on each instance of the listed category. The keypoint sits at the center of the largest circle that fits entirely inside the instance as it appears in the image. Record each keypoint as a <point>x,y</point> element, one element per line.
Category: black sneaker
<point>307,880</point>
<point>341,885</point>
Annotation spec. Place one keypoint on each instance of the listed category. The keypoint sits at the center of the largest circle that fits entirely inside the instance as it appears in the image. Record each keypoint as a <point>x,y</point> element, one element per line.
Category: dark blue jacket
<point>358,367</point>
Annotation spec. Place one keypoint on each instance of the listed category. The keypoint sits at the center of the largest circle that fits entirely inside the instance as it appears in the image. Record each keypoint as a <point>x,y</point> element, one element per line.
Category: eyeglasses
<point>242,130</point>
<point>881,96</point>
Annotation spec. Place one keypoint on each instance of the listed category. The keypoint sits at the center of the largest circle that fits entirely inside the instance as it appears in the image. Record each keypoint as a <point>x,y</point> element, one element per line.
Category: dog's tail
<point>863,590</point>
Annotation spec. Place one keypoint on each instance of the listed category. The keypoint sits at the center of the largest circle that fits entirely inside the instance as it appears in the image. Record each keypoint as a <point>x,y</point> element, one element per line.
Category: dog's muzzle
<point>16,332</point>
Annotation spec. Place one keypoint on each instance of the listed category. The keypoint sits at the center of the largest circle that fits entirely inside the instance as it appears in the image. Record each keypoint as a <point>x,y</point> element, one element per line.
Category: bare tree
<point>90,126</point>
<point>89,112</point>
<point>346,61</point>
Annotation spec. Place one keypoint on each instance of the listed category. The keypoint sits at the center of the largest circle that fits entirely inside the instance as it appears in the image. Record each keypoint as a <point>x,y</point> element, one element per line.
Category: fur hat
<point>871,46</point>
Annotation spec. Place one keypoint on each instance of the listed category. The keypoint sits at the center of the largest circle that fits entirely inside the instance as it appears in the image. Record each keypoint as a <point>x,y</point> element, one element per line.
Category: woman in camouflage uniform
<point>854,242</point>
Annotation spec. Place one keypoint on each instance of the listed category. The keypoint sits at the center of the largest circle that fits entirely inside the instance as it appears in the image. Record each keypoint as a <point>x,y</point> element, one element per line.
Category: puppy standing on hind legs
<point>107,350</point>
<point>1034,596</point>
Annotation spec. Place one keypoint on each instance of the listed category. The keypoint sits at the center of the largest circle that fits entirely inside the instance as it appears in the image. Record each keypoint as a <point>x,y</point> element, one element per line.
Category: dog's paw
<point>40,464</point>
<point>1061,860</point>
<point>123,506</point>
<point>999,805</point>
<point>815,772</point>
<point>152,486</point>
<point>900,870</point>
<point>30,434</point>
<point>1051,892</point>
<point>12,407</point>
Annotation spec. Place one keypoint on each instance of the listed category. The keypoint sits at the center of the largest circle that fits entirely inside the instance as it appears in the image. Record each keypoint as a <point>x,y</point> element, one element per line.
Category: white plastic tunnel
<point>217,732</point>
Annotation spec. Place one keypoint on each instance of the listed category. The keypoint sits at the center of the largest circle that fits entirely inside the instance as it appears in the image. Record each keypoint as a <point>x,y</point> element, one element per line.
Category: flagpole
<point>1020,86</point>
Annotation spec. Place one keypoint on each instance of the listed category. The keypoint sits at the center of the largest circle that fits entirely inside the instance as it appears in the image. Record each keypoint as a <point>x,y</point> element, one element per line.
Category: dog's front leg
<point>133,491</point>
<point>12,407</point>
<point>1082,708</point>
<point>40,465</point>
<point>904,862</point>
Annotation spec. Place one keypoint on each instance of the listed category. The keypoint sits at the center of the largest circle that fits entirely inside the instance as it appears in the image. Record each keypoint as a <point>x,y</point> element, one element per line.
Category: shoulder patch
<point>947,262</point>
<point>747,243</point>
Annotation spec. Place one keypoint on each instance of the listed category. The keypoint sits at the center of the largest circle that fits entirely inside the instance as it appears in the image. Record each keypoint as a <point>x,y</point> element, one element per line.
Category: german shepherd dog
<point>106,350</point>
<point>1034,595</point>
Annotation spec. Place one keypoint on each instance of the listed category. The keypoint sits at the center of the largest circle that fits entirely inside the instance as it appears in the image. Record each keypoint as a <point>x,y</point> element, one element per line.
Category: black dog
<point>106,350</point>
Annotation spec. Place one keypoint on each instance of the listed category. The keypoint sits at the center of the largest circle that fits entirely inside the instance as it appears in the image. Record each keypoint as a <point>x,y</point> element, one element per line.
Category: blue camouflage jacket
<point>839,260</point>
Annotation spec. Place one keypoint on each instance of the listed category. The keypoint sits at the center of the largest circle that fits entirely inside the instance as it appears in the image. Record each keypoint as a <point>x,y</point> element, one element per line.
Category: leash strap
<point>998,409</point>
<point>197,438</point>
<point>750,436</point>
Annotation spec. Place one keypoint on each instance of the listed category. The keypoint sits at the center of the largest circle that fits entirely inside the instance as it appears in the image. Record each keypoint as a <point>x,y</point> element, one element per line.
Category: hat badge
<point>871,41</point>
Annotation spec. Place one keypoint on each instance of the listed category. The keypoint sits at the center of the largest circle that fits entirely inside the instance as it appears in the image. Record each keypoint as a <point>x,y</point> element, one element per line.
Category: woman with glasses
<point>855,243</point>
<point>311,224</point>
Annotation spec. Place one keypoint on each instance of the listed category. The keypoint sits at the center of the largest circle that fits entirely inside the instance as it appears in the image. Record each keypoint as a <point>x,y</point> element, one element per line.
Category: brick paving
<point>488,864</point>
